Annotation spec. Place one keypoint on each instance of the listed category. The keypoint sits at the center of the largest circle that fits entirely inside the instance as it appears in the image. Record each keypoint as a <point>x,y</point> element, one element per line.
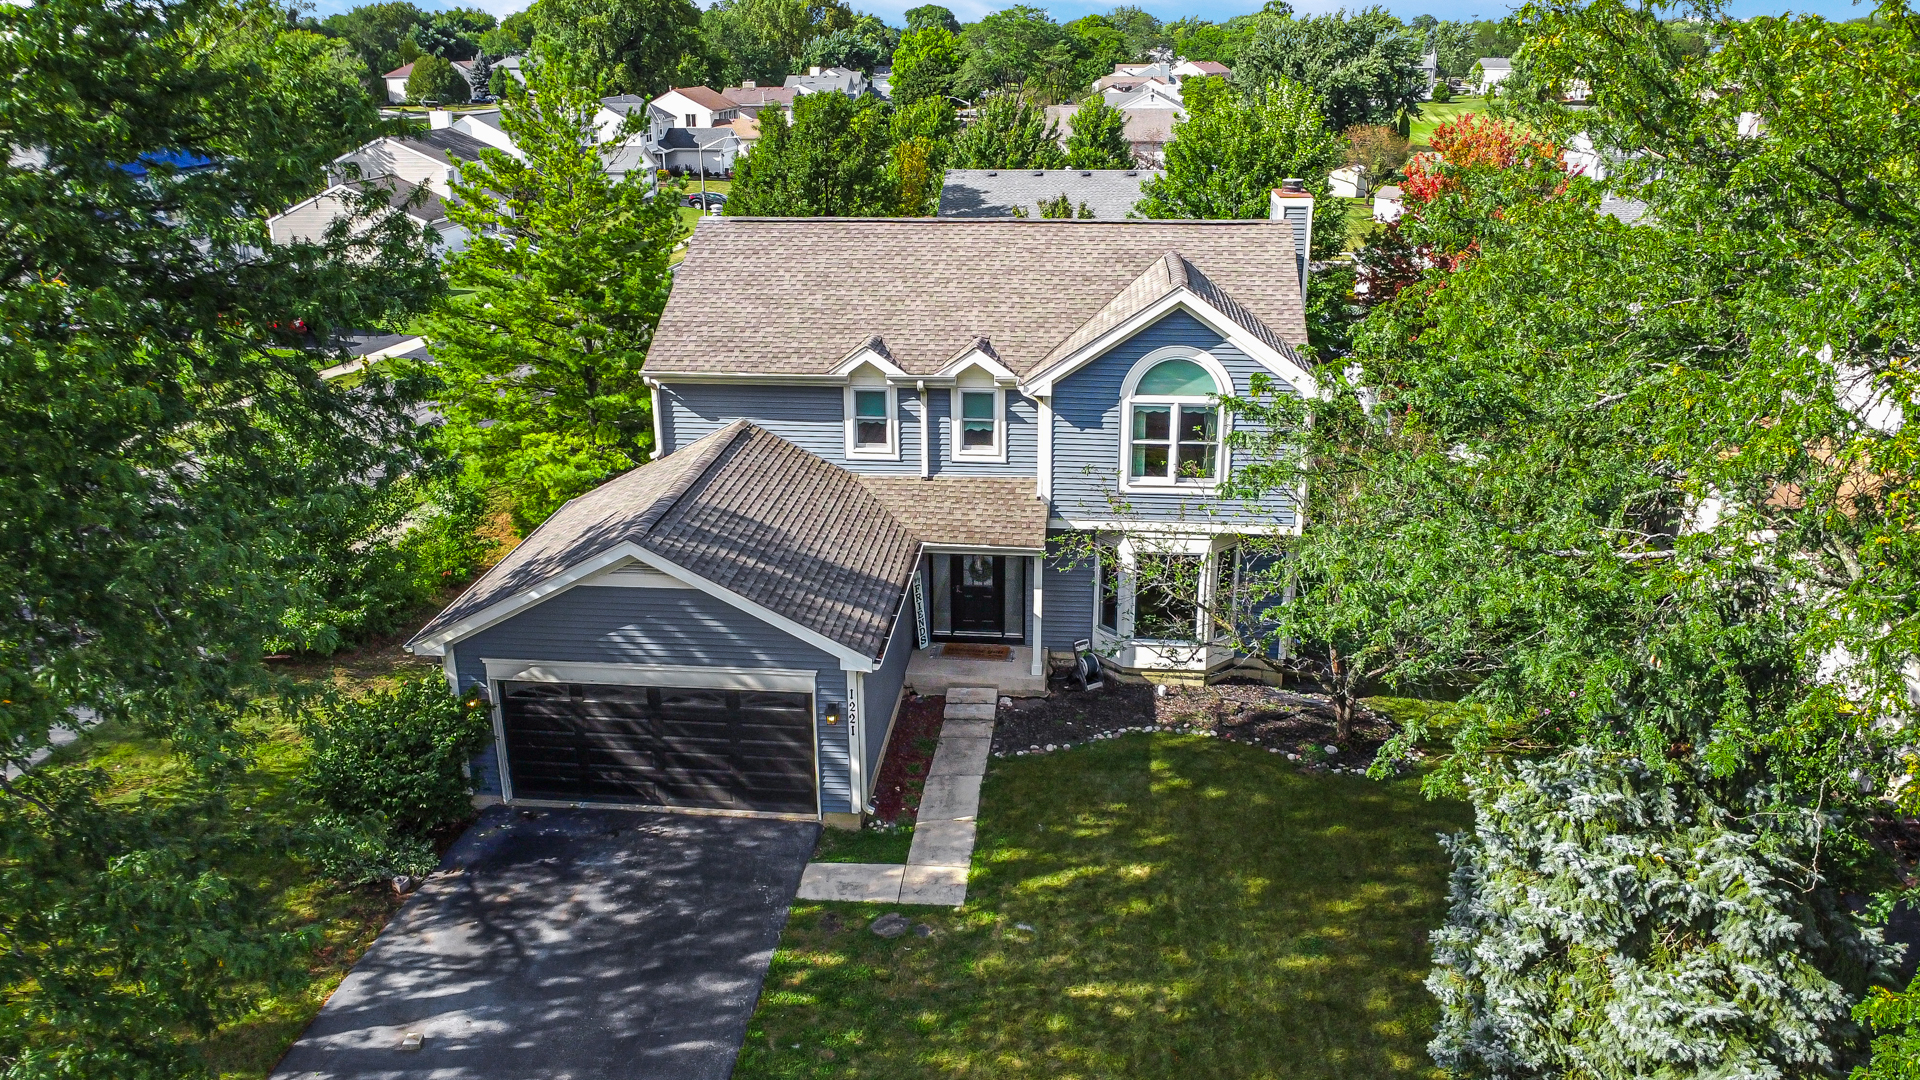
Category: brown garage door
<point>663,745</point>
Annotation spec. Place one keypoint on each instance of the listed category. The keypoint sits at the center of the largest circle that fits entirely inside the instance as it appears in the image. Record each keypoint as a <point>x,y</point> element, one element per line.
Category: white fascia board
<point>864,357</point>
<point>978,549</point>
<point>1041,383</point>
<point>978,358</point>
<point>436,645</point>
<point>1172,528</point>
<point>733,379</point>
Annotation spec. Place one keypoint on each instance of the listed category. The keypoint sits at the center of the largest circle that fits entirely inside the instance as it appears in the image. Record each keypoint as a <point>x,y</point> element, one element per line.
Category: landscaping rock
<point>922,930</point>
<point>890,925</point>
<point>1331,749</point>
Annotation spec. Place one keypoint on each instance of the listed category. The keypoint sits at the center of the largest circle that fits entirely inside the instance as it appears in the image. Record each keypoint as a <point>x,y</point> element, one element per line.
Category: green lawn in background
<point>1434,113</point>
<point>142,767</point>
<point>1197,908</point>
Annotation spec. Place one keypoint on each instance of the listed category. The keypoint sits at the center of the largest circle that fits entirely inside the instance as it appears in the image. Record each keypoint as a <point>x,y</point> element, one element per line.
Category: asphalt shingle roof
<point>447,144</point>
<point>928,286</point>
<point>966,511</point>
<point>703,95</point>
<point>746,510</point>
<point>975,193</point>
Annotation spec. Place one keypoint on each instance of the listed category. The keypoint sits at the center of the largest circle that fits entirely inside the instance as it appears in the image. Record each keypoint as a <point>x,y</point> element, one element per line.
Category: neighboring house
<point>1349,182</point>
<point>482,125</point>
<point>711,151</point>
<point>307,221</point>
<point>1430,71</point>
<point>1148,130</point>
<point>838,79</point>
<point>1151,94</point>
<point>1388,204</point>
<point>429,158</point>
<point>687,130</point>
<point>696,107</point>
<point>1187,69</point>
<point>995,193</point>
<point>1490,72</point>
<point>396,80</point>
<point>1126,84</point>
<point>856,479</point>
<point>750,97</point>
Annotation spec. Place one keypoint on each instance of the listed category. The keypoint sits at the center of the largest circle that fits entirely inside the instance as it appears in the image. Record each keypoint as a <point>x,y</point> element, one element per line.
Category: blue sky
<point>892,10</point>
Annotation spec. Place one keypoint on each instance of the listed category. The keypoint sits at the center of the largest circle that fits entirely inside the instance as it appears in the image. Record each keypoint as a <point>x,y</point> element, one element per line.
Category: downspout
<point>926,440</point>
<point>659,439</point>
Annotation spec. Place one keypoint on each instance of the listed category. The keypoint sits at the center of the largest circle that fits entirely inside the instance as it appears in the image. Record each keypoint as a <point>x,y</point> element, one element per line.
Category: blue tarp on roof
<point>181,160</point>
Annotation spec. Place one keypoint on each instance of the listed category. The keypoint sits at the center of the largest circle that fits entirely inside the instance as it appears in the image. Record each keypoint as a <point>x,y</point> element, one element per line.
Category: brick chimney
<point>1292,202</point>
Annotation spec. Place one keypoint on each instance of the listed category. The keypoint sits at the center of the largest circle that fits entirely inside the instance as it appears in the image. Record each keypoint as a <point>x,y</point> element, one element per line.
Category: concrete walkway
<point>943,834</point>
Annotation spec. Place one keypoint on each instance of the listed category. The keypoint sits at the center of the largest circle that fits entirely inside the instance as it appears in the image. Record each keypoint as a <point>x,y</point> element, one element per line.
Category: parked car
<point>714,200</point>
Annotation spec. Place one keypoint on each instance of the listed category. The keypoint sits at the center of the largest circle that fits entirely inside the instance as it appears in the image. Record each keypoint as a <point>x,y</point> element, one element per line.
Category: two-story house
<point>950,454</point>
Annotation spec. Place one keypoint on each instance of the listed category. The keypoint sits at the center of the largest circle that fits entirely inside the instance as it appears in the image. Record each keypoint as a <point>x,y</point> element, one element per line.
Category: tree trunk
<point>1340,688</point>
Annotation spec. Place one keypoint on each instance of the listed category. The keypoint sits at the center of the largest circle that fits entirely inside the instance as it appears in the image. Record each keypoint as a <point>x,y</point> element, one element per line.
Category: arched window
<point>1173,424</point>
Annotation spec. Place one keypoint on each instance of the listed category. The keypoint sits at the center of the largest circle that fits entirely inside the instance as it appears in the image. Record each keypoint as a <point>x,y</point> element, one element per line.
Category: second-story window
<point>693,120</point>
<point>870,419</point>
<point>1173,425</point>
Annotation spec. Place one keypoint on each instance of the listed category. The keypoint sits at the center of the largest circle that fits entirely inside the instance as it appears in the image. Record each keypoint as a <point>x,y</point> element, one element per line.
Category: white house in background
<point>1188,69</point>
<point>483,125</point>
<point>429,159</point>
<point>1491,71</point>
<point>695,107</point>
<point>838,79</point>
<point>307,221</point>
<point>750,98</point>
<point>1388,204</point>
<point>396,80</point>
<point>1148,94</point>
<point>1349,182</point>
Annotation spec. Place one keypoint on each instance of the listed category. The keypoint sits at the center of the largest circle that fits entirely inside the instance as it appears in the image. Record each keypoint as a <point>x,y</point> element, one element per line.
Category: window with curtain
<point>1174,425</point>
<point>979,422</point>
<point>870,419</point>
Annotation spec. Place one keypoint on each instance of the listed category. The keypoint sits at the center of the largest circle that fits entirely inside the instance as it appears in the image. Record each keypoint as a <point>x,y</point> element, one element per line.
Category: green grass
<point>867,845</point>
<point>1434,113</point>
<point>1359,222</point>
<point>1198,909</point>
<point>144,768</point>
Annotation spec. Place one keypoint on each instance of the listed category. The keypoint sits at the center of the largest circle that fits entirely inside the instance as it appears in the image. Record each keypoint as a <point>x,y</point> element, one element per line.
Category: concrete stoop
<point>936,869</point>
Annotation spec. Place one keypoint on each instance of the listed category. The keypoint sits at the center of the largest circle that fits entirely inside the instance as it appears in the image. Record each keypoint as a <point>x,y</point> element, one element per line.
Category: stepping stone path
<point>943,833</point>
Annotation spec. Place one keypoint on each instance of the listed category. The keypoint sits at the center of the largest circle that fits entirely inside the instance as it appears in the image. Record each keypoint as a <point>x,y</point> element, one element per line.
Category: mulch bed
<point>916,735</point>
<point>1297,723</point>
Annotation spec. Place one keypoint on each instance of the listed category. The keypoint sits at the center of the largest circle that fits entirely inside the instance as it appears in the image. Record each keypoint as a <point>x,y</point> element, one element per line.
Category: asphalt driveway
<point>569,945</point>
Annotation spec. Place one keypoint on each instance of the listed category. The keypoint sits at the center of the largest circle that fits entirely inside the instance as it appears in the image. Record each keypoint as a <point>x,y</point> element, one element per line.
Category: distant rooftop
<point>994,193</point>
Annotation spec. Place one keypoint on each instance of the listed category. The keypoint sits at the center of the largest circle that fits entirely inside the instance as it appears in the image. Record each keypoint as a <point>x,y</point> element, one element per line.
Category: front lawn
<point>1435,113</point>
<point>1152,905</point>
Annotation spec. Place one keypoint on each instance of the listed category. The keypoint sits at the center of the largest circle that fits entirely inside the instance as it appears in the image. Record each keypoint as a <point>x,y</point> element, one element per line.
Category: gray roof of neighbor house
<point>927,287</point>
<point>746,510</point>
<point>973,193</point>
<point>1495,63</point>
<point>446,144</point>
<point>684,138</point>
<point>624,104</point>
<point>966,511</point>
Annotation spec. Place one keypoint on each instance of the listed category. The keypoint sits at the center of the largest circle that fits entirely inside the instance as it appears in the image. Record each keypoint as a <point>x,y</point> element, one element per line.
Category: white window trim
<point>998,454</point>
<point>891,452</point>
<point>1222,459</point>
<point>1127,550</point>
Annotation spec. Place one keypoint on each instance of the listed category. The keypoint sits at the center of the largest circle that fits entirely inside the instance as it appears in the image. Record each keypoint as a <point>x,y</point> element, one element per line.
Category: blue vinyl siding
<point>1087,429</point>
<point>593,624</point>
<point>883,691</point>
<point>812,418</point>
<point>1068,615</point>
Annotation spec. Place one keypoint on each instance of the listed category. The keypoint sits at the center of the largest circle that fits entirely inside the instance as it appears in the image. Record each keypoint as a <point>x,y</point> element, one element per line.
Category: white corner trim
<point>856,748</point>
<point>926,433</point>
<point>1043,485</point>
<point>781,680</point>
<point>1041,383</point>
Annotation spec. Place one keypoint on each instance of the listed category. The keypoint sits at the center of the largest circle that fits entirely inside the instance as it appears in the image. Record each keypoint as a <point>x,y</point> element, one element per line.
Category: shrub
<point>400,754</point>
<point>358,850</point>
<point>1442,92</point>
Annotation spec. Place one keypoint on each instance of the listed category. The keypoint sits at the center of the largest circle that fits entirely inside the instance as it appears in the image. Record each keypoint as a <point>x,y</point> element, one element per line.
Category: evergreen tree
<point>562,284</point>
<point>479,77</point>
<point>1008,132</point>
<point>1097,137</point>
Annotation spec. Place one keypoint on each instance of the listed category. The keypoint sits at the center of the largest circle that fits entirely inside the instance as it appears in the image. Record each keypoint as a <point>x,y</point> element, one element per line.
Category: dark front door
<point>979,594</point>
<point>665,745</point>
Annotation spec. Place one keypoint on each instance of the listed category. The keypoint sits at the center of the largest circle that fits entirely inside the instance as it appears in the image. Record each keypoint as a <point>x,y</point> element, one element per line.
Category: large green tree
<point>1009,131</point>
<point>622,46</point>
<point>164,430</point>
<point>561,286</point>
<point>1365,66</point>
<point>1097,137</point>
<point>1013,47</point>
<point>1646,491</point>
<point>832,161</point>
<point>925,65</point>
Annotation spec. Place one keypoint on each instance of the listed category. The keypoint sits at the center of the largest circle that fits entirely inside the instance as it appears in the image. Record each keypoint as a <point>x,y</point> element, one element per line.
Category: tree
<point>513,37</point>
<point>1236,146</point>
<point>1097,137</point>
<point>742,51</point>
<point>435,79</point>
<point>1098,45</point>
<point>1365,66</point>
<point>1381,149</point>
<point>925,65</point>
<point>791,24</point>
<point>1009,132</point>
<point>453,34</point>
<point>479,77</point>
<point>832,161</point>
<point>1144,32</point>
<point>1588,877</point>
<point>844,49</point>
<point>163,423</point>
<point>564,281</point>
<point>1060,207</point>
<point>624,46</point>
<point>1012,47</point>
<point>1454,48</point>
<point>922,136</point>
<point>376,32</point>
<point>931,15</point>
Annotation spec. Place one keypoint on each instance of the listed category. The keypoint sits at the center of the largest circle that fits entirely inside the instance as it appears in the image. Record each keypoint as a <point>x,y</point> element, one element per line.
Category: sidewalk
<point>936,869</point>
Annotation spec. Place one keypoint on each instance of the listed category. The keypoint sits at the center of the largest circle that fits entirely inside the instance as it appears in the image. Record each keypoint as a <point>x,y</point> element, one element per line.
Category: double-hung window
<point>870,422</point>
<point>1173,426</point>
<point>978,426</point>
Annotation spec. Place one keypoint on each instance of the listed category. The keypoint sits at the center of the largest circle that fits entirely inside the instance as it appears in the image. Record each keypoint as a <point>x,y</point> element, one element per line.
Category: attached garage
<point>691,746</point>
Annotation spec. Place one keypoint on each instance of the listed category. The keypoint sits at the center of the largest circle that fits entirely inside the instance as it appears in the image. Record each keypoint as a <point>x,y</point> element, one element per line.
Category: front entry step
<point>970,695</point>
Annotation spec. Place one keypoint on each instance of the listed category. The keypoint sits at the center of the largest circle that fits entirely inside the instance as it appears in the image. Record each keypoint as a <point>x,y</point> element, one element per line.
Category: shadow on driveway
<point>569,945</point>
